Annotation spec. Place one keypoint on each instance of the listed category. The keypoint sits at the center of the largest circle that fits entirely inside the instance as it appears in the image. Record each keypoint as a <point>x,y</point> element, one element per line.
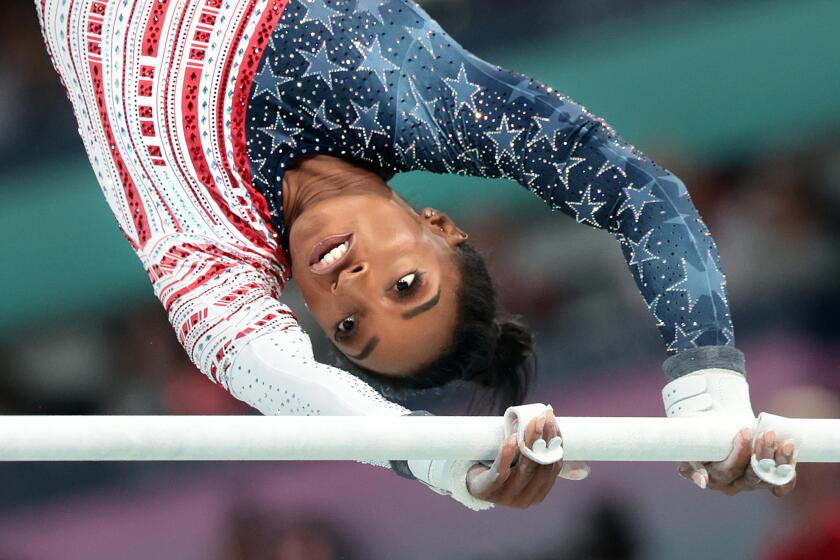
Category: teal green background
<point>710,84</point>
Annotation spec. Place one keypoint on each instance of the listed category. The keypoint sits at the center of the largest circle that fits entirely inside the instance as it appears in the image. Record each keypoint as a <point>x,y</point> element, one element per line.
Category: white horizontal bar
<point>190,438</point>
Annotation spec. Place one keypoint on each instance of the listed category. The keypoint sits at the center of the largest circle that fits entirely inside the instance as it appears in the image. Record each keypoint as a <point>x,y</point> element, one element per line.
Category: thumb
<point>574,470</point>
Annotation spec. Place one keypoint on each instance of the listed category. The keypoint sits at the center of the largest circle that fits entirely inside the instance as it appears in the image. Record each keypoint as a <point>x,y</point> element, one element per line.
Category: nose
<point>349,275</point>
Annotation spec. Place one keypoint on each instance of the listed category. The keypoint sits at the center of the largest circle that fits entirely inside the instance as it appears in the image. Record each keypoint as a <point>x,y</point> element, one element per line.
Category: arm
<point>577,164</point>
<point>222,302</point>
<point>412,98</point>
<point>382,82</point>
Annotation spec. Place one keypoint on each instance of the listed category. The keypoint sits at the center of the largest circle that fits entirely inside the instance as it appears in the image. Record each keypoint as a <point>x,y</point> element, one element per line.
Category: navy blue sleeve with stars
<point>380,82</point>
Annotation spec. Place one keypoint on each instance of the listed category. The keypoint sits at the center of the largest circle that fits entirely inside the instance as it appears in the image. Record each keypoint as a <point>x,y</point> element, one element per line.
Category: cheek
<point>311,293</point>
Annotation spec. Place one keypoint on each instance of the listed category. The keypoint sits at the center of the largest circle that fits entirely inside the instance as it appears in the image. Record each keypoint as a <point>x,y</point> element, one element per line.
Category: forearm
<point>229,322</point>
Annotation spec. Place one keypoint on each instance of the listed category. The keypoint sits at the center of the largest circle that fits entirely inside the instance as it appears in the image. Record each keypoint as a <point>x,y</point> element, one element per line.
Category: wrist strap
<point>400,467</point>
<point>710,391</point>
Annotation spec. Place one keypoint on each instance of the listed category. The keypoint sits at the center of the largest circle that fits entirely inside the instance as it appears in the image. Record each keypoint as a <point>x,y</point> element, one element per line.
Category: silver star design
<point>530,178</point>
<point>697,283</point>
<point>317,10</point>
<point>371,7</point>
<point>267,81</point>
<point>729,334</point>
<point>409,154</point>
<point>366,121</point>
<point>472,158</point>
<point>635,199</point>
<point>280,134</point>
<point>565,167</point>
<point>320,65</point>
<point>422,35</point>
<point>319,117</point>
<point>504,137</point>
<point>257,171</point>
<point>549,127</point>
<point>683,340</point>
<point>640,253</point>
<point>615,159</point>
<point>585,209</point>
<point>376,62</point>
<point>653,308</point>
<point>463,90</point>
<point>424,109</point>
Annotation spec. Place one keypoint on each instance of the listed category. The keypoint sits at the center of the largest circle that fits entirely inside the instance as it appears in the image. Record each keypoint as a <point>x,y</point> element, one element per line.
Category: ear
<point>443,225</point>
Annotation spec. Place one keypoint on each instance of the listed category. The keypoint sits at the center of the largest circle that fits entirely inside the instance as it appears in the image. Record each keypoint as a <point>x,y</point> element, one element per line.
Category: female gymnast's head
<point>399,292</point>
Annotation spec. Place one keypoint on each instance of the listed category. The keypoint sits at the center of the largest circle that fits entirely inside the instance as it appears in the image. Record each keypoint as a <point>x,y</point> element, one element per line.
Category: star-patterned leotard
<point>190,111</point>
<point>380,81</point>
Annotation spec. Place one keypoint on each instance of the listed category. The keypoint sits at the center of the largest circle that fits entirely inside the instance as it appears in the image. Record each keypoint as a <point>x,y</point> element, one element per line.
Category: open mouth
<point>330,253</point>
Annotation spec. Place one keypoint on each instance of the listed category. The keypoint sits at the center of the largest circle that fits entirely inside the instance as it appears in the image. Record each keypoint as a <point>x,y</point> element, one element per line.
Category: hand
<point>516,481</point>
<point>734,474</point>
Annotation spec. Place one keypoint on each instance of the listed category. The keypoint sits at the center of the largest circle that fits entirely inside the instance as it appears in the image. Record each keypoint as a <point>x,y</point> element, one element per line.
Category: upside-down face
<point>379,277</point>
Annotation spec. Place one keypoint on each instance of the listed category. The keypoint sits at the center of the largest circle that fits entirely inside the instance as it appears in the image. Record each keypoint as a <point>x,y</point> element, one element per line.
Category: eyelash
<point>418,282</point>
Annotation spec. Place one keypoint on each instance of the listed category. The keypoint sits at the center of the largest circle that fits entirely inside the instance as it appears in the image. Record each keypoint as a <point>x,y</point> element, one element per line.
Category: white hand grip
<point>767,469</point>
<point>517,419</point>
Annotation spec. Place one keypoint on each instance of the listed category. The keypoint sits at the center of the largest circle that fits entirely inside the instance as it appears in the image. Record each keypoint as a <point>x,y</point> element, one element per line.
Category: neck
<point>322,177</point>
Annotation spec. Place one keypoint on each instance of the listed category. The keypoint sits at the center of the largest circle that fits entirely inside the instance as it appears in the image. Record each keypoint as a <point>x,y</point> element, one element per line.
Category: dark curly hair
<point>489,347</point>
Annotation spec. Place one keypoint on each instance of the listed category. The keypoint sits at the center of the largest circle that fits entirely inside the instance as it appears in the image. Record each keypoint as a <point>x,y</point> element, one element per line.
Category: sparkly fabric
<point>380,82</point>
<point>159,89</point>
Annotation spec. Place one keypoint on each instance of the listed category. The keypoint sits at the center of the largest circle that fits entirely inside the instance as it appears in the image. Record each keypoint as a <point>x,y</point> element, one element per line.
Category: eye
<point>406,282</point>
<point>346,327</point>
<point>409,284</point>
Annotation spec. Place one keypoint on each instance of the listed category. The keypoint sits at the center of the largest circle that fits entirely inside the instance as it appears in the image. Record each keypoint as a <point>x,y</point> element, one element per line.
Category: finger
<point>751,481</point>
<point>544,476</point>
<point>780,491</point>
<point>784,456</point>
<point>771,443</point>
<point>535,429</point>
<point>504,460</point>
<point>518,486</point>
<point>734,465</point>
<point>765,447</point>
<point>574,470</point>
<point>541,483</point>
<point>699,474</point>
<point>784,453</point>
<point>771,453</point>
<point>551,429</point>
<point>487,483</point>
<point>533,432</point>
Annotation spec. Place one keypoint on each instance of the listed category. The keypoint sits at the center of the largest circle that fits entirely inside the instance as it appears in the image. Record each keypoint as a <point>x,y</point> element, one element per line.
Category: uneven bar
<point>291,438</point>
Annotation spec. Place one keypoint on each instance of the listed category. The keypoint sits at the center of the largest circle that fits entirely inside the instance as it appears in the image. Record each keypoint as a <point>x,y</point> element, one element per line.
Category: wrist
<point>704,357</point>
<point>449,478</point>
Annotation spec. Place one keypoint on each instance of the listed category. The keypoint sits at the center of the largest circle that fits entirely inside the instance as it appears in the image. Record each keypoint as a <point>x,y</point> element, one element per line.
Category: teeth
<point>335,254</point>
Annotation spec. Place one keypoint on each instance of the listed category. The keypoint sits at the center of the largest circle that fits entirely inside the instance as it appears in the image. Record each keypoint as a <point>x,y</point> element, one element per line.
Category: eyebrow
<point>367,349</point>
<point>423,307</point>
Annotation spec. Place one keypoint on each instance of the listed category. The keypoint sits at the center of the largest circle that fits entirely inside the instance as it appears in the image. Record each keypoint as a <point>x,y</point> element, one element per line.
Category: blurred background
<point>740,99</point>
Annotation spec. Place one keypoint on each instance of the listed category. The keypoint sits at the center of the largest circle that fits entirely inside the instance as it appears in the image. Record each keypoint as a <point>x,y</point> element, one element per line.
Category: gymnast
<point>244,143</point>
